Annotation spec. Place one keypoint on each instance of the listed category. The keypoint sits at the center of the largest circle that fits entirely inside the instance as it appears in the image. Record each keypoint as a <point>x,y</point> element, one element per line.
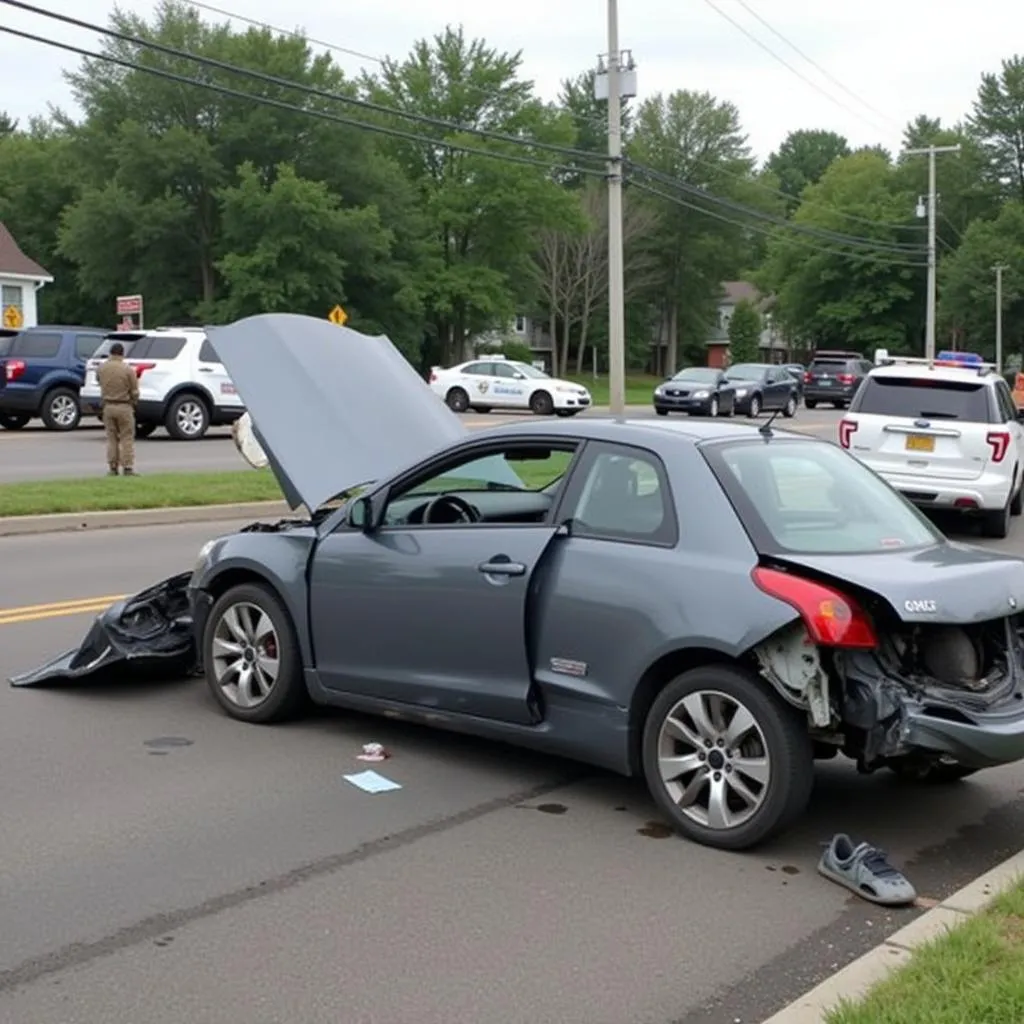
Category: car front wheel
<point>754,410</point>
<point>790,410</point>
<point>251,657</point>
<point>541,404</point>
<point>725,759</point>
<point>13,420</point>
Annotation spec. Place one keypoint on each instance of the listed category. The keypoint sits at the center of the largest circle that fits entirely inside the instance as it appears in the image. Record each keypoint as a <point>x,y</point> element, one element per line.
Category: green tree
<point>802,158</point>
<point>8,124</point>
<point>484,214</point>
<point>745,333</point>
<point>967,296</point>
<point>697,140</point>
<point>837,294</point>
<point>997,122</point>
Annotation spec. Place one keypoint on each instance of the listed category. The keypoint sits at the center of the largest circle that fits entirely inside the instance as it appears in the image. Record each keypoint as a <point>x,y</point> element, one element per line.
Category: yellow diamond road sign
<point>12,318</point>
<point>337,316</point>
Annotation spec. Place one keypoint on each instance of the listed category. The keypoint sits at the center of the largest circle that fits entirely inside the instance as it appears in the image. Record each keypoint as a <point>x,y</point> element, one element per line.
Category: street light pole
<point>616,284</point>
<point>999,268</point>
<point>931,152</point>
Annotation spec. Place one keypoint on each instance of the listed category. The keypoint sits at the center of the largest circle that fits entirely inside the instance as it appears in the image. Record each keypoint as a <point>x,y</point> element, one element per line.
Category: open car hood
<point>332,408</point>
<point>947,583</point>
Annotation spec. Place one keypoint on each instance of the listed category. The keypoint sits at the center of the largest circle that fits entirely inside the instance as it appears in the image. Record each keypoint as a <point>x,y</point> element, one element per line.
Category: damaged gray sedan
<point>710,606</point>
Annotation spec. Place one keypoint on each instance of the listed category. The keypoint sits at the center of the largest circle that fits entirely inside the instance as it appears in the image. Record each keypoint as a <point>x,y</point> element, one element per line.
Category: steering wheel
<point>465,513</point>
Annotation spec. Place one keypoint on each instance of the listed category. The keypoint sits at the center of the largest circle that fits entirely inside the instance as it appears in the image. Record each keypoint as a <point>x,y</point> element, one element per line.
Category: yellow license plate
<point>920,443</point>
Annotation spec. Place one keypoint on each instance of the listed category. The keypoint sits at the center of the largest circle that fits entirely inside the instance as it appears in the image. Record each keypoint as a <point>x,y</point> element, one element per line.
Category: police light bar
<point>947,358</point>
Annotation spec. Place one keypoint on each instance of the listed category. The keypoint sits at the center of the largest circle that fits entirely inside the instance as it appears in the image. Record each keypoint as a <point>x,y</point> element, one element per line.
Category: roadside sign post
<point>129,313</point>
<point>13,320</point>
<point>338,316</point>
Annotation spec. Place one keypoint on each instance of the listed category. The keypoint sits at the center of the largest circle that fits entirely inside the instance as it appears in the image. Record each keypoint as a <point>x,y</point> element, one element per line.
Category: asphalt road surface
<point>161,863</point>
<point>39,454</point>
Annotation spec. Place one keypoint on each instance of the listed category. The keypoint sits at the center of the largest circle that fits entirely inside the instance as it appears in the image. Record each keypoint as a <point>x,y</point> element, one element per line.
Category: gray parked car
<point>710,606</point>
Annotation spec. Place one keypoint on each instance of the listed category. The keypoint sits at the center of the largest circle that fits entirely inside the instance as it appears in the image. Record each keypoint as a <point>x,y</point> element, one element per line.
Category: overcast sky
<point>899,58</point>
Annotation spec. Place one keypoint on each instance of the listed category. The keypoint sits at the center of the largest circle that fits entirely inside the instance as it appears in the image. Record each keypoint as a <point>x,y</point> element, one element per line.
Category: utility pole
<point>616,269</point>
<point>999,268</point>
<point>931,151</point>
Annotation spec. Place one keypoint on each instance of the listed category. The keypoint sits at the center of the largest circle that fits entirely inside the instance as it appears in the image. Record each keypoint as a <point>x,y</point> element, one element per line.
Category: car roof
<point>646,431</point>
<point>966,374</point>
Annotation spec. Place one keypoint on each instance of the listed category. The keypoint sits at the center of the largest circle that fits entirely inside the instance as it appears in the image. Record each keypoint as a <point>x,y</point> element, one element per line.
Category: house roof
<point>736,291</point>
<point>14,261</point>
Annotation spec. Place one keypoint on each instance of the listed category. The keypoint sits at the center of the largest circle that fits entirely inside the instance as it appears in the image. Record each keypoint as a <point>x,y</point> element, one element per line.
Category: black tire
<point>457,400</point>
<point>14,420</point>
<point>786,742</point>
<point>60,409</point>
<point>754,409</point>
<point>1017,501</point>
<point>187,409</point>
<point>790,410</point>
<point>713,408</point>
<point>810,403</point>
<point>482,409</point>
<point>288,695</point>
<point>566,413</point>
<point>541,404</point>
<point>996,524</point>
<point>144,429</point>
<point>930,773</point>
<point>661,412</point>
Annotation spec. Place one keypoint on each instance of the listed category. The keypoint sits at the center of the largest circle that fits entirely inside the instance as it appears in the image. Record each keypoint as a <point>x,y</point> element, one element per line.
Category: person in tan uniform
<point>119,393</point>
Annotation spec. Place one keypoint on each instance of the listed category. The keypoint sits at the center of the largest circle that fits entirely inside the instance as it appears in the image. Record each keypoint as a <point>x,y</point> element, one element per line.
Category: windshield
<point>810,497</point>
<point>530,371</point>
<point>745,371</point>
<point>926,398</point>
<point>699,374</point>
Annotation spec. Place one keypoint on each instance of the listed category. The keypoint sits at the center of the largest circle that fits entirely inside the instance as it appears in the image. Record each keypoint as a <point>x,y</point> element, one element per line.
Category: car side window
<point>36,345</point>
<point>86,345</point>
<point>207,353</point>
<point>621,494</point>
<point>504,370</point>
<point>478,369</point>
<point>1007,406</point>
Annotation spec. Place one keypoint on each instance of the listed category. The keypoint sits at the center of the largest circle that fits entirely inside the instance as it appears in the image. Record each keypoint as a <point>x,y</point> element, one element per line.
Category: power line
<point>827,234</point>
<point>845,253</point>
<point>323,115</point>
<point>260,76</point>
<point>785,63</point>
<point>814,64</point>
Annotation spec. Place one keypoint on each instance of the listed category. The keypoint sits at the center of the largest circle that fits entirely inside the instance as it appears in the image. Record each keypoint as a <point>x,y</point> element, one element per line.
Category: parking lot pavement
<point>39,454</point>
<point>168,864</point>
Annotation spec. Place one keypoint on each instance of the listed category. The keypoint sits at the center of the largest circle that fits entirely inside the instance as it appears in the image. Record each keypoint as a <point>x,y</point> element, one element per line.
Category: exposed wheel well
<point>194,391</point>
<point>663,671</point>
<point>235,577</point>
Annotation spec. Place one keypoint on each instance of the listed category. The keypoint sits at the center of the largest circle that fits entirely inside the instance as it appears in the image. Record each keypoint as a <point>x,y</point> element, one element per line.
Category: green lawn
<point>973,975</point>
<point>167,490</point>
<point>638,388</point>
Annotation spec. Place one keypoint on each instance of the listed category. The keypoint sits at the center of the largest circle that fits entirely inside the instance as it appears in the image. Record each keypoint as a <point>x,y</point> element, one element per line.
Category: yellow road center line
<point>85,609</point>
<point>54,606</point>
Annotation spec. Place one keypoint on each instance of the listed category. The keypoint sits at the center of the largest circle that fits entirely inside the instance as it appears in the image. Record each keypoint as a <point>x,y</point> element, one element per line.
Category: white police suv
<point>946,433</point>
<point>494,382</point>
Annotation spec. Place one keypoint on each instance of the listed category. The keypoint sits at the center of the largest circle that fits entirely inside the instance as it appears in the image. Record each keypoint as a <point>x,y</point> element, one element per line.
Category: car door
<point>478,380</point>
<point>435,615</point>
<point>509,388</point>
<point>772,389</point>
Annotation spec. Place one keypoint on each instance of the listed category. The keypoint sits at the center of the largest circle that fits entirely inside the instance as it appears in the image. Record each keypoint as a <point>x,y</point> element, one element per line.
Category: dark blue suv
<point>41,372</point>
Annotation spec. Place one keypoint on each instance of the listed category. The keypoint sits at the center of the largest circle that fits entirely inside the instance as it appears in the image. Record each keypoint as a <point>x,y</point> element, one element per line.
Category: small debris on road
<point>371,782</point>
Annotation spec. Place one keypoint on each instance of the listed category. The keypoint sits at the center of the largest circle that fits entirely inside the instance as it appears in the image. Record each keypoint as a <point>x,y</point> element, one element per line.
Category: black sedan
<point>762,386</point>
<point>698,390</point>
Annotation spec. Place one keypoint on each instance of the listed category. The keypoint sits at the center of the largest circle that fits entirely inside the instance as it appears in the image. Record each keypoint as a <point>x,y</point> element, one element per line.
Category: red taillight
<point>847,428</point>
<point>845,378</point>
<point>999,442</point>
<point>807,377</point>
<point>141,368</point>
<point>831,619</point>
<point>15,368</point>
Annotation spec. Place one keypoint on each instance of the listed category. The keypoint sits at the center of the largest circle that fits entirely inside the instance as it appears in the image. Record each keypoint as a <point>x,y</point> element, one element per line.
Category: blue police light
<point>948,358</point>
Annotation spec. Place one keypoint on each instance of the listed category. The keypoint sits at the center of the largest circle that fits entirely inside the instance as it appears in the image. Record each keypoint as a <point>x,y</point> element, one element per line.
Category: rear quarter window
<point>36,346</point>
<point>925,398</point>
<point>158,348</point>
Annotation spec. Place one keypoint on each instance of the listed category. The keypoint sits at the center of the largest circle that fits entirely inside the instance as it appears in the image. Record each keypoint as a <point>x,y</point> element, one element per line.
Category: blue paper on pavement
<point>372,782</point>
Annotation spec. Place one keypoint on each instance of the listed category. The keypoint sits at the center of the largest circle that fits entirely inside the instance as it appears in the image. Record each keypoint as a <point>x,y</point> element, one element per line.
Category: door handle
<point>502,567</point>
<point>205,369</point>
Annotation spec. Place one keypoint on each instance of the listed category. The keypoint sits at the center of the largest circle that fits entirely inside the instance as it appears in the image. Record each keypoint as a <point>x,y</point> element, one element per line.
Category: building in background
<point>20,281</point>
<point>773,346</point>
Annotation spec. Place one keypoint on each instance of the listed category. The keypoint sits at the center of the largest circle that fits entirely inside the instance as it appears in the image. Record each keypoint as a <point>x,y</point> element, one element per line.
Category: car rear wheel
<point>188,419</point>
<point>13,420</point>
<point>755,407</point>
<point>790,410</point>
<point>996,524</point>
<point>251,657</point>
<point>810,403</point>
<point>144,429</point>
<point>725,759</point>
<point>457,400</point>
<point>713,408</point>
<point>60,410</point>
<point>541,404</point>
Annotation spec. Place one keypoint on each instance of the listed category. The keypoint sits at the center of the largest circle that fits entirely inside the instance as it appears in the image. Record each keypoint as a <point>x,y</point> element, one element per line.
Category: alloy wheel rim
<point>190,417</point>
<point>713,760</point>
<point>246,655</point>
<point>714,406</point>
<point>63,411</point>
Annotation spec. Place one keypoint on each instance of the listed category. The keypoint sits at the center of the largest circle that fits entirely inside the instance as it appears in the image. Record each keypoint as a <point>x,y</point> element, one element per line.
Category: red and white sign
<point>126,325</point>
<point>129,305</point>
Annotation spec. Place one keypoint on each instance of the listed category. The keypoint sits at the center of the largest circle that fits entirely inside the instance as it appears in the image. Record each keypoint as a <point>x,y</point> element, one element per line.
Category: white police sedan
<point>498,383</point>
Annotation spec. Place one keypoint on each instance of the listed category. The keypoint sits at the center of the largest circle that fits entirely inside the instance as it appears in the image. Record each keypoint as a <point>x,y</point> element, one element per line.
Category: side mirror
<point>518,376</point>
<point>362,515</point>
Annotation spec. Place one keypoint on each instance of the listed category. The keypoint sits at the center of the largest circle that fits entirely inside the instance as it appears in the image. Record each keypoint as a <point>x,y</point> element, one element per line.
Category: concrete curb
<point>854,981</point>
<point>72,522</point>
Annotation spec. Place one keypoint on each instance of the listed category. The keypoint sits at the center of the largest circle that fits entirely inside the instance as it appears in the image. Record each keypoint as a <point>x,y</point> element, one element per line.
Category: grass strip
<point>639,389</point>
<point>972,975</point>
